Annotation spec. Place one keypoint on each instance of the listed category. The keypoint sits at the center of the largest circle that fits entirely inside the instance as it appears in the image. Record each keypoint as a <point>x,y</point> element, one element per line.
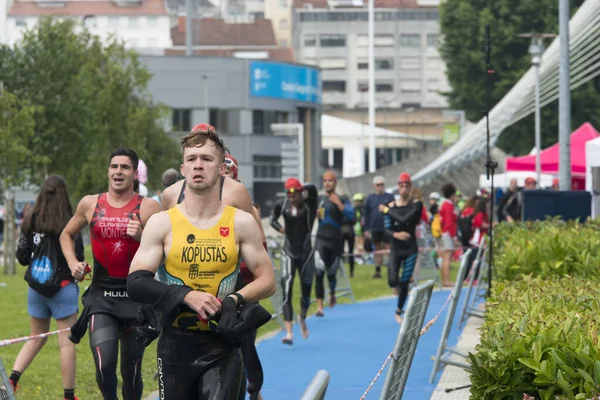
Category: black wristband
<point>240,299</point>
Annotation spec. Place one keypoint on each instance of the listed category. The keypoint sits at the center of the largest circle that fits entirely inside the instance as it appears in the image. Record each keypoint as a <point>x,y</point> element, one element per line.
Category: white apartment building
<point>143,24</point>
<point>409,71</point>
<point>280,13</point>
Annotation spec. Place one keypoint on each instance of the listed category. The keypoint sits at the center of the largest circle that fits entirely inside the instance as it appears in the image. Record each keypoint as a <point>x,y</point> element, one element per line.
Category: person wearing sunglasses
<point>401,218</point>
<point>329,244</point>
<point>299,210</point>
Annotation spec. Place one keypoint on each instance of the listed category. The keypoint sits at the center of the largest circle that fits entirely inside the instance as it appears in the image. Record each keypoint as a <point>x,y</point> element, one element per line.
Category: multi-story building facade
<point>408,69</point>
<point>143,24</point>
<point>280,14</point>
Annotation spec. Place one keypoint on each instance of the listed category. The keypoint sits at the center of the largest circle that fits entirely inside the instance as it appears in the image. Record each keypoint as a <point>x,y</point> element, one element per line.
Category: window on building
<point>283,3</point>
<point>378,41</point>
<point>432,40</point>
<point>410,40</point>
<point>283,23</point>
<point>181,120</point>
<point>333,40</point>
<point>113,22</point>
<point>134,22</point>
<point>334,86</point>
<point>338,159</point>
<point>283,43</point>
<point>384,63</point>
<point>266,167</point>
<point>384,87</point>
<point>90,21</point>
<point>310,40</point>
<point>20,22</point>
<point>333,63</point>
<point>363,86</point>
<point>152,22</point>
<point>363,63</point>
<point>410,63</point>
<point>410,86</point>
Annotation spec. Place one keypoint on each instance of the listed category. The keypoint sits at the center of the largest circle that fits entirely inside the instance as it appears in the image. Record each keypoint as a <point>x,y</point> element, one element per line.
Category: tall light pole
<point>564,98</point>
<point>189,30</point>
<point>372,156</point>
<point>536,49</point>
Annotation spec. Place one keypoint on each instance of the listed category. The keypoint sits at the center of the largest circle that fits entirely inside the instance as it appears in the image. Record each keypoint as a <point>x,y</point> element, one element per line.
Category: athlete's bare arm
<point>150,253</point>
<point>75,225</point>
<point>155,243</point>
<point>256,257</point>
<point>169,196</point>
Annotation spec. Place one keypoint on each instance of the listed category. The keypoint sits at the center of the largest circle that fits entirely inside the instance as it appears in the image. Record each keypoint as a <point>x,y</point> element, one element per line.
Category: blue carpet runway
<point>352,342</point>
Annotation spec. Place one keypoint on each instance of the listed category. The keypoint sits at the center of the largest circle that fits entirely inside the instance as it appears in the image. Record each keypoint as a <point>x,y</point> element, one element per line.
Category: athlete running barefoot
<point>299,210</point>
<point>201,239</point>
<point>116,219</point>
<point>401,218</point>
<point>329,243</point>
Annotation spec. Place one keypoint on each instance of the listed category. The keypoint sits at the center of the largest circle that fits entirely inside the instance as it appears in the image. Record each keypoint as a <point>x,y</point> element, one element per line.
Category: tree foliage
<point>462,25</point>
<point>17,123</point>
<point>93,96</point>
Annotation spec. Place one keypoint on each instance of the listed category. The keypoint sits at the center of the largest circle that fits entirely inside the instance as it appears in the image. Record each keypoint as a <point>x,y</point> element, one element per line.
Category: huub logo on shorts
<point>224,231</point>
<point>191,238</point>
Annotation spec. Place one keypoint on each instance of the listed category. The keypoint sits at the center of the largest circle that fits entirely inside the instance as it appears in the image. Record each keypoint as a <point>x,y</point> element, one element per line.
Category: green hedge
<point>539,338</point>
<point>547,248</point>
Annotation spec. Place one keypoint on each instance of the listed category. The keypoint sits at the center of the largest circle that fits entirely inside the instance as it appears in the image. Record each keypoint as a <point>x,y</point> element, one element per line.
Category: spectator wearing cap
<point>374,228</point>
<point>449,239</point>
<point>530,183</point>
<point>555,183</point>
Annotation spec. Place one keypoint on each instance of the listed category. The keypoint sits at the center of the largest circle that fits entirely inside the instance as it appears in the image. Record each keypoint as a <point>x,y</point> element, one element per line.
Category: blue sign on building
<point>284,81</point>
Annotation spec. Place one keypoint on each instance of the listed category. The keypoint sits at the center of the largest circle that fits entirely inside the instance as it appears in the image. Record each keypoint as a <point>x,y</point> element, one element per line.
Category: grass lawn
<point>42,379</point>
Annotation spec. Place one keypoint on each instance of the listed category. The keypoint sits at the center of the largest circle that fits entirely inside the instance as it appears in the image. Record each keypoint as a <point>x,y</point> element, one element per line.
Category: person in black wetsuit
<point>299,214</point>
<point>401,218</point>
<point>329,242</point>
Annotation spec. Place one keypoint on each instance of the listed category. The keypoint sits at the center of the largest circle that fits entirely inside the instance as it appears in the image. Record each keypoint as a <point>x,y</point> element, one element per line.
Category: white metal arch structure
<point>519,102</point>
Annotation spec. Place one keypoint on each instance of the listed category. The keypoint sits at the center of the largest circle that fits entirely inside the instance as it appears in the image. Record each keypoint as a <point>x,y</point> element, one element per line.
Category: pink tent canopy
<point>549,157</point>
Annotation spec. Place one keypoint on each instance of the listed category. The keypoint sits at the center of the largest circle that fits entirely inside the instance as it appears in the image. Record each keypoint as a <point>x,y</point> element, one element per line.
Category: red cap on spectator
<point>530,181</point>
<point>404,178</point>
<point>292,185</point>
<point>555,181</point>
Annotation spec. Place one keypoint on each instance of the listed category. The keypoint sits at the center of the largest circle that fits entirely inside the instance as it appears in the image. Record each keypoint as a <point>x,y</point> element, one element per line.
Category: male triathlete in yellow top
<point>201,239</point>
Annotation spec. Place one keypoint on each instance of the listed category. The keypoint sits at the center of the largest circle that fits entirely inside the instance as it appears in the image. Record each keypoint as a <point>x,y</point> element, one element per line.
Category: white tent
<point>592,173</point>
<point>503,180</point>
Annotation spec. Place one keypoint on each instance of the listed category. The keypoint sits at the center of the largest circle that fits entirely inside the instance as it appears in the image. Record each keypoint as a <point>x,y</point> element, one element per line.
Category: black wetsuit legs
<point>328,254</point>
<point>289,267</point>
<point>105,332</point>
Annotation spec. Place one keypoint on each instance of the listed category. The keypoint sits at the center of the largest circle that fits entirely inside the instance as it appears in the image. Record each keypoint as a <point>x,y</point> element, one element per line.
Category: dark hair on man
<point>448,190</point>
<point>52,209</point>
<point>121,151</point>
<point>200,135</point>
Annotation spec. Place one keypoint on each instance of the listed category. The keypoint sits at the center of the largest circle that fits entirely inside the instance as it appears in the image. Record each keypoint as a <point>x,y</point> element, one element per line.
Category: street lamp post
<point>536,49</point>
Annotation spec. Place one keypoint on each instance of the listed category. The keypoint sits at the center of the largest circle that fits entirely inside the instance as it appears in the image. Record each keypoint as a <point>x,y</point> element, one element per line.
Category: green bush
<point>539,338</point>
<point>547,248</point>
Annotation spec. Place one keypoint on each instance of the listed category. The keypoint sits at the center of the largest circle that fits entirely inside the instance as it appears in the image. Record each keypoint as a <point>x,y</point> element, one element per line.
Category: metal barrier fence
<point>6,390</point>
<point>480,265</point>
<point>407,340</point>
<point>426,267</point>
<point>442,356</point>
<point>317,387</point>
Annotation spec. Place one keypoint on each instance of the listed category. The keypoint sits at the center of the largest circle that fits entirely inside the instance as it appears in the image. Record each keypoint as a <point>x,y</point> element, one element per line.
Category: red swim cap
<point>293,184</point>
<point>404,178</point>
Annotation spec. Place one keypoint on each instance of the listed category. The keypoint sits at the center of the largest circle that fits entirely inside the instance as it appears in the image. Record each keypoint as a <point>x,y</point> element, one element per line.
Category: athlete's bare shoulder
<point>158,224</point>
<point>148,208</point>
<point>169,196</point>
<point>236,195</point>
<point>245,223</point>
<point>87,204</point>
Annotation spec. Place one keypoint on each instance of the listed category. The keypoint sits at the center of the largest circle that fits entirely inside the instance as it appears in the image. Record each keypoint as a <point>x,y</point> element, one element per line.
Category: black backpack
<point>465,229</point>
<point>42,272</point>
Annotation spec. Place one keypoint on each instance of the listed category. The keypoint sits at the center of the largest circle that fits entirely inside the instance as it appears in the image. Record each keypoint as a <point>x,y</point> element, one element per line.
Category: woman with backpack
<point>52,290</point>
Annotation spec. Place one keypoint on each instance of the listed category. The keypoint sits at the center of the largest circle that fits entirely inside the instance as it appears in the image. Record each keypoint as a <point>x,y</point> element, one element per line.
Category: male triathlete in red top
<point>116,219</point>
